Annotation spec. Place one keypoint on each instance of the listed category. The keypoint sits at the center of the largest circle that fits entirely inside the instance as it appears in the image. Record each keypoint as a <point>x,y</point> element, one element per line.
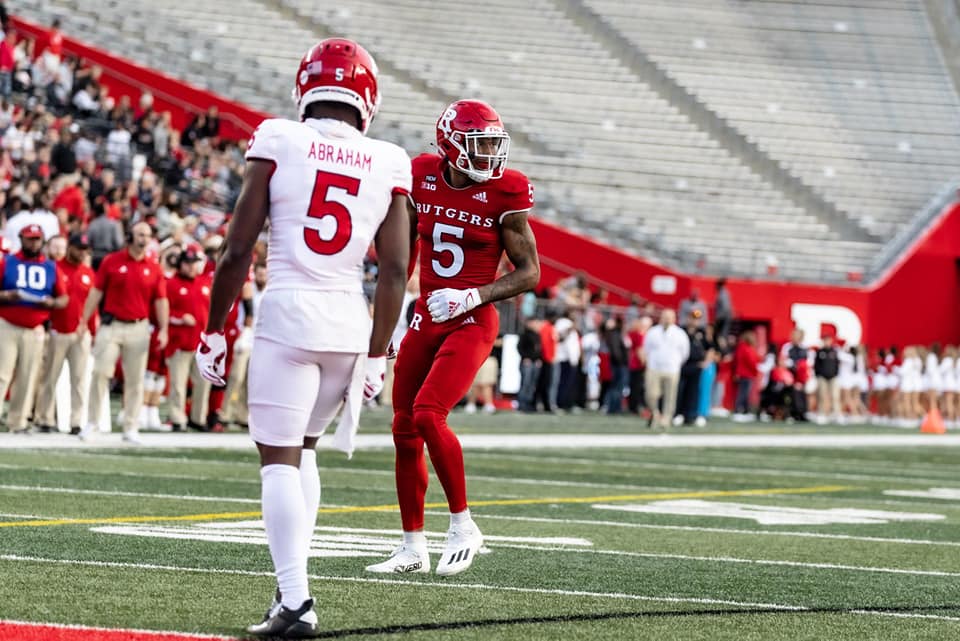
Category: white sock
<point>154,415</point>
<point>415,539</point>
<point>459,518</point>
<point>310,484</point>
<point>285,520</point>
<point>143,416</point>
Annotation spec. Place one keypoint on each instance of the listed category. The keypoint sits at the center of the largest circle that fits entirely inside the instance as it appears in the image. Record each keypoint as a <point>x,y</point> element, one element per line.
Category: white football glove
<point>211,357</point>
<point>447,303</point>
<point>373,373</point>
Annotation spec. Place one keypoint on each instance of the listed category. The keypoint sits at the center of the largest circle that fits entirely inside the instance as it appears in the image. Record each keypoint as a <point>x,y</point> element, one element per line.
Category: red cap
<point>31,231</point>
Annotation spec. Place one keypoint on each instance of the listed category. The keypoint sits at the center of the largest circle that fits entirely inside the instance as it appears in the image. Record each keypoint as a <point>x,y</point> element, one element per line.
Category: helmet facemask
<point>482,154</point>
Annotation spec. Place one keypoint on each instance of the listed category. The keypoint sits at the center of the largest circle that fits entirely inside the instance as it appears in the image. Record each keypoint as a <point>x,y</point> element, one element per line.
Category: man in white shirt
<point>665,348</point>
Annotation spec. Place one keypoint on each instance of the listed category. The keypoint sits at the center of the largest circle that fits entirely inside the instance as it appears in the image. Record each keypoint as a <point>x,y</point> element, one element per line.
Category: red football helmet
<point>471,136</point>
<point>338,70</point>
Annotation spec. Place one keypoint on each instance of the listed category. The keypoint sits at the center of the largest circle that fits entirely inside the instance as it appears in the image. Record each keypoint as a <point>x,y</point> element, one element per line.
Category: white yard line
<point>178,497</point>
<point>138,474</point>
<point>730,559</point>
<point>600,462</point>
<point>906,615</point>
<point>714,530</point>
<point>539,441</point>
<point>472,586</point>
<point>90,628</point>
<point>417,584</point>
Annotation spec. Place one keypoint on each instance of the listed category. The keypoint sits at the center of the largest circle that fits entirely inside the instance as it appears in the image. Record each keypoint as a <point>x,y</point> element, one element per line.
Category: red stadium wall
<point>917,301</point>
<point>126,78</point>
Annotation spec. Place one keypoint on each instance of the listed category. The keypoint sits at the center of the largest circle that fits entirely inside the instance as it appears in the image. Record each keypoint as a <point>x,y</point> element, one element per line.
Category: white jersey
<point>329,193</point>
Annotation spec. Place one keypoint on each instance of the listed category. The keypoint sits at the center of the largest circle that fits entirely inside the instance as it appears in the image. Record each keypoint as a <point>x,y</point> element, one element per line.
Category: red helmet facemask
<point>470,135</point>
<point>338,70</point>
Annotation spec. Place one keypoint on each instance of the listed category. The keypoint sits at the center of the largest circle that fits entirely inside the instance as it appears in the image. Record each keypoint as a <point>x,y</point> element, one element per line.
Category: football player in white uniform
<point>328,191</point>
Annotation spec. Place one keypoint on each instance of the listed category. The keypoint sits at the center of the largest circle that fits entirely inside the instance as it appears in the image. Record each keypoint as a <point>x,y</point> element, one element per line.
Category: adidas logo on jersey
<point>482,196</point>
<point>469,321</point>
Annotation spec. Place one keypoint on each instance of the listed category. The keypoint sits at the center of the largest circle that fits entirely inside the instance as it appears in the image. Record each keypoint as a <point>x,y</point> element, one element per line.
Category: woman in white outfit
<point>846,382</point>
<point>911,382</point>
<point>948,373</point>
<point>933,381</point>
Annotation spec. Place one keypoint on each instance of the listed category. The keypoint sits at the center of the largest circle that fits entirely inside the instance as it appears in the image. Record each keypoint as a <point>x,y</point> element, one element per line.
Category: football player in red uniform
<point>469,209</point>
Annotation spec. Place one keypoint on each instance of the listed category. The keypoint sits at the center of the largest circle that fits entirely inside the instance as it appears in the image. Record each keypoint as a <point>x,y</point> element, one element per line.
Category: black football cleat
<point>274,608</point>
<point>288,624</point>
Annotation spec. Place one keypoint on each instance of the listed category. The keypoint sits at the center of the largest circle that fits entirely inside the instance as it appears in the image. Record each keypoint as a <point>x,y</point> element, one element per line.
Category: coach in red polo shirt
<point>189,292</point>
<point>66,343</point>
<point>128,283</point>
<point>31,287</point>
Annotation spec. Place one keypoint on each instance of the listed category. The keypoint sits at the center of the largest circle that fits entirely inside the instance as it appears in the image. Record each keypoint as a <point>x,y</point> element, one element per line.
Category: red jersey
<point>187,296</point>
<point>746,361</point>
<point>32,277</point>
<point>73,200</point>
<point>130,286</point>
<point>79,281</point>
<point>459,229</point>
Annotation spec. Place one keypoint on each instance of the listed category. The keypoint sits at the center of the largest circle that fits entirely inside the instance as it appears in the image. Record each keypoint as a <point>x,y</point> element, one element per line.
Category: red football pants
<point>435,369</point>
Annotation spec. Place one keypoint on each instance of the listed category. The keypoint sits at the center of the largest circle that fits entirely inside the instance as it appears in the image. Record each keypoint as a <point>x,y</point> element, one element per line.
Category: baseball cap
<point>190,255</point>
<point>79,240</point>
<point>31,231</point>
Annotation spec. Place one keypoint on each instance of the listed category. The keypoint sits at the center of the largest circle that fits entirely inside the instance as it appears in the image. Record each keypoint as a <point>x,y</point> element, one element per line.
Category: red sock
<point>216,400</point>
<point>411,471</point>
<point>446,456</point>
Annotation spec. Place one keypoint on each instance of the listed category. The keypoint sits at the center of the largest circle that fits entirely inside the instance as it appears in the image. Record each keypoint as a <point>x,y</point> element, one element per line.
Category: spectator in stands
<point>118,150</point>
<point>211,128</point>
<point>63,157</point>
<point>722,310</point>
<point>548,351</point>
<point>665,348</point>
<point>693,306</point>
<point>746,367</point>
<point>529,348</point>
<point>66,343</point>
<point>827,368</point>
<point>688,393</point>
<point>105,235</point>
<point>57,249</point>
<point>635,361</point>
<point>568,359</point>
<point>30,287</point>
<point>616,348</point>
<point>162,130</point>
<point>128,283</point>
<point>7,63</point>
<point>86,100</point>
<point>189,295</point>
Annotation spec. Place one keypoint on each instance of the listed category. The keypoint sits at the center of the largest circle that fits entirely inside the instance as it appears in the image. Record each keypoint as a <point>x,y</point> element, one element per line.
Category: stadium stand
<point>780,138</point>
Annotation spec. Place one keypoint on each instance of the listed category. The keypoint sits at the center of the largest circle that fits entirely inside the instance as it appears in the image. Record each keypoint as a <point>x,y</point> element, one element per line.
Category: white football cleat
<point>463,543</point>
<point>406,559</point>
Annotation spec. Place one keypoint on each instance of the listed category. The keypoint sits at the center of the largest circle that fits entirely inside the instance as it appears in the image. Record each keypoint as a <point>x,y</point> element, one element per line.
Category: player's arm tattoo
<point>521,248</point>
<point>249,215</point>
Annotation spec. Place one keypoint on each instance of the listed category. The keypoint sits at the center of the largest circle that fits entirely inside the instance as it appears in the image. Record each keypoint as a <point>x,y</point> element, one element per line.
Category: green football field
<point>681,542</point>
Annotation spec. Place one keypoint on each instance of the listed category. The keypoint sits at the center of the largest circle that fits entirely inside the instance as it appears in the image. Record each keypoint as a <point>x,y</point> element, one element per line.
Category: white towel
<point>345,435</point>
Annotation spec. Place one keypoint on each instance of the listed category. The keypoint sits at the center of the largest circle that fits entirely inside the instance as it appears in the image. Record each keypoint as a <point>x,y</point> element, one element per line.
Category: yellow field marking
<point>661,496</point>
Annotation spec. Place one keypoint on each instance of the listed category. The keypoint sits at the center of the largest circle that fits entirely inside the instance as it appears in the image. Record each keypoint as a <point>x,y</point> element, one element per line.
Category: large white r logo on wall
<point>809,318</point>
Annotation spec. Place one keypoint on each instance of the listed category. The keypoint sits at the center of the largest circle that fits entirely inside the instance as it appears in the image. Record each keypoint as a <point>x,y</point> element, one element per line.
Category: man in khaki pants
<point>66,343</point>
<point>189,296</point>
<point>129,283</point>
<point>665,348</point>
<point>31,286</point>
